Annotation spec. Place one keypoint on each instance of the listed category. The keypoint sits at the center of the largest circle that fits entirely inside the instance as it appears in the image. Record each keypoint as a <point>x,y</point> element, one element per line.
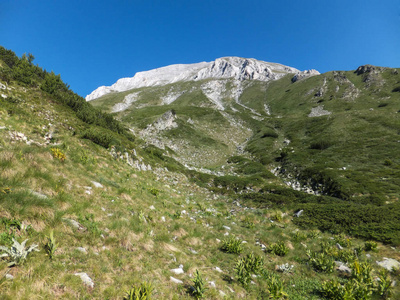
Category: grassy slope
<point>127,241</point>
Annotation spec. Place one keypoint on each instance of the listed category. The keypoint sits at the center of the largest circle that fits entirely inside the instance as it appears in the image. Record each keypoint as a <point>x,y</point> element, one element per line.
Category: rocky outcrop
<point>227,67</point>
<point>318,112</point>
<point>368,69</point>
<point>305,74</point>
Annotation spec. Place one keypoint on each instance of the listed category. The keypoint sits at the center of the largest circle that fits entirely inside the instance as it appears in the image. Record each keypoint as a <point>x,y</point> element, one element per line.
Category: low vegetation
<point>78,219</point>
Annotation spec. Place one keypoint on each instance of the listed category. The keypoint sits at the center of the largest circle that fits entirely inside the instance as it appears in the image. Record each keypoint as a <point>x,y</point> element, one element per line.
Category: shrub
<point>98,136</point>
<point>342,240</point>
<point>370,246</point>
<point>279,249</point>
<point>320,145</point>
<point>232,245</point>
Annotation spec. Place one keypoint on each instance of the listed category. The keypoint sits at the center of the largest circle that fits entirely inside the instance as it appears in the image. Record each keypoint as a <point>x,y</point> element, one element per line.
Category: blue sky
<point>94,43</point>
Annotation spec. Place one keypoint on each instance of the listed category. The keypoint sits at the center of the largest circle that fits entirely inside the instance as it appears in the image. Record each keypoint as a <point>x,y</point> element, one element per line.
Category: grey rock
<point>304,74</point>
<point>342,267</point>
<point>75,224</point>
<point>9,277</point>
<point>389,264</point>
<point>97,184</point>
<point>81,249</point>
<point>174,280</point>
<point>318,112</point>
<point>178,270</point>
<point>298,213</point>
<point>86,279</point>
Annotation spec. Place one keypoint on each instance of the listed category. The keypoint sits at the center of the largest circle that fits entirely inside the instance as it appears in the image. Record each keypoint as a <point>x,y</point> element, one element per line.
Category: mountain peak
<point>225,67</point>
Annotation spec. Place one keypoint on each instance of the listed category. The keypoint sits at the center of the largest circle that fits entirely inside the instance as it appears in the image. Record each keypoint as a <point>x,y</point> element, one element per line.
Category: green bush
<point>320,145</point>
<point>370,246</point>
<point>98,136</point>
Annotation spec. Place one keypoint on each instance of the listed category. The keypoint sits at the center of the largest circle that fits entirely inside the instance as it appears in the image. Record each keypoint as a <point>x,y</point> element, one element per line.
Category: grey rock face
<point>368,69</point>
<point>304,74</point>
<point>318,112</point>
<point>226,67</point>
<point>389,264</point>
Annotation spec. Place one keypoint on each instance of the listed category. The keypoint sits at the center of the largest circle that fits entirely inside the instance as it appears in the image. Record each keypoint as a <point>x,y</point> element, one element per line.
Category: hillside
<point>119,212</point>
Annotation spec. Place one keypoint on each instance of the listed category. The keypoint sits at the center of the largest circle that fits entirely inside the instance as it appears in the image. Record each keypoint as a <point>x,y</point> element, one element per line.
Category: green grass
<point>140,225</point>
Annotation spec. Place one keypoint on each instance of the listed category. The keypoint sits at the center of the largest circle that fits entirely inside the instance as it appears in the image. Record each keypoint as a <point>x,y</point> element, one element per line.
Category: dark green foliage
<point>380,223</point>
<point>8,56</point>
<point>323,181</point>
<point>320,145</point>
<point>23,71</point>
<point>98,136</point>
<point>53,83</point>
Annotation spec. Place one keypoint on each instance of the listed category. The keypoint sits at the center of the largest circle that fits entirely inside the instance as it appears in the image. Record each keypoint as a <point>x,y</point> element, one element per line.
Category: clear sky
<point>94,43</point>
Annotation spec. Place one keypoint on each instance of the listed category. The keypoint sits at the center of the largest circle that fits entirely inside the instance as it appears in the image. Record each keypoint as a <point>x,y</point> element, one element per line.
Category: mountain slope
<point>68,175</point>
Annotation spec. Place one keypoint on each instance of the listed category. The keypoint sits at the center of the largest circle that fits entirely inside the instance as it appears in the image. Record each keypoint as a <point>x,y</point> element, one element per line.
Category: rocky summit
<point>226,67</point>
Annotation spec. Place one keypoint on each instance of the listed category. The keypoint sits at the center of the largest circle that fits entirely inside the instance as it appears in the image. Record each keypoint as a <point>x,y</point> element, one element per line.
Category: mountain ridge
<point>225,67</point>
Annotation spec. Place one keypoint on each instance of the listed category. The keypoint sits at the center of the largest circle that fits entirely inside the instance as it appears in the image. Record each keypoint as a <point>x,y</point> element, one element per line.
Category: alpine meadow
<point>230,179</point>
